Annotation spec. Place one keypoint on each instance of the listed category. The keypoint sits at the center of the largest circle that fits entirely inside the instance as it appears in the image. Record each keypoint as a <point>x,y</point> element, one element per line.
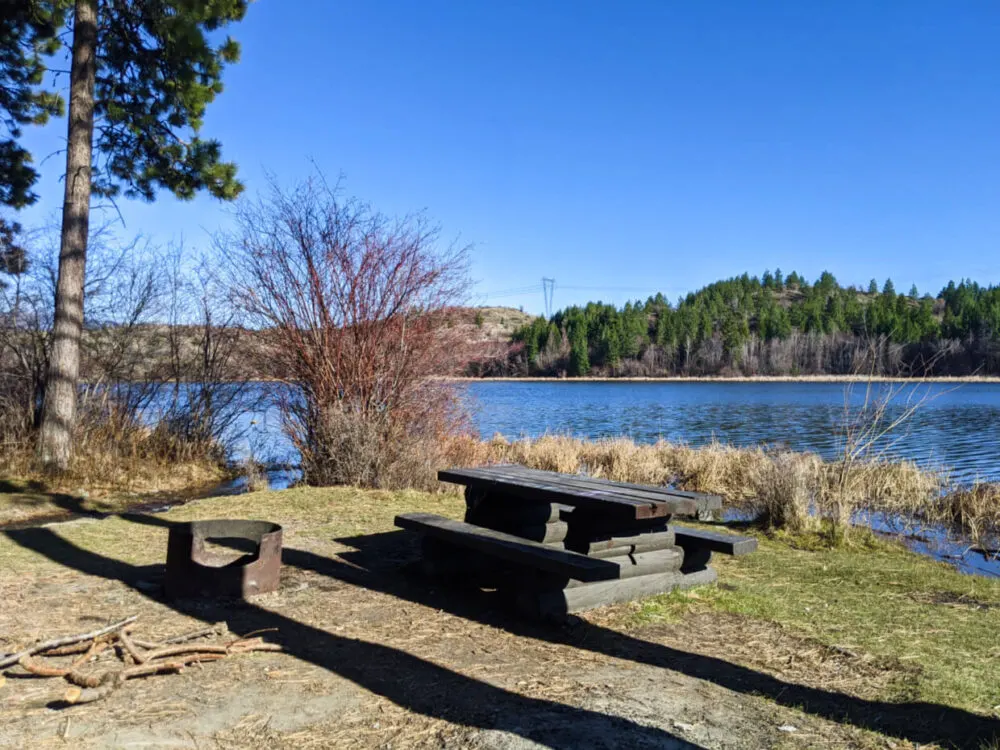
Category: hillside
<point>158,351</point>
<point>769,325</point>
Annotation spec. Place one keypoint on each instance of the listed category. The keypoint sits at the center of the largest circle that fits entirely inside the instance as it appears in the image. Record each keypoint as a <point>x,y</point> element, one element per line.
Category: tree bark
<point>55,441</point>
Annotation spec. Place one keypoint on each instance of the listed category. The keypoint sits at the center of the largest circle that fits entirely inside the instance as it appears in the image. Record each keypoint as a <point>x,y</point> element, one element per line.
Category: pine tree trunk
<point>55,441</point>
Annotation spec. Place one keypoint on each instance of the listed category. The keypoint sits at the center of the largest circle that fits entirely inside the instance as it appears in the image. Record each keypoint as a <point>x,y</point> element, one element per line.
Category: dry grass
<point>100,473</point>
<point>113,466</point>
<point>977,509</point>
<point>794,491</point>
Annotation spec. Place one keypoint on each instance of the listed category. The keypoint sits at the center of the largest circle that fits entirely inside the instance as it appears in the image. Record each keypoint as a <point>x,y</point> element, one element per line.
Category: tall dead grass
<point>115,454</point>
<point>799,492</point>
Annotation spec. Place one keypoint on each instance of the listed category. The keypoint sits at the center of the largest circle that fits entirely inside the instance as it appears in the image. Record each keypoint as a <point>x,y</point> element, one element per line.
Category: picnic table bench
<point>561,543</point>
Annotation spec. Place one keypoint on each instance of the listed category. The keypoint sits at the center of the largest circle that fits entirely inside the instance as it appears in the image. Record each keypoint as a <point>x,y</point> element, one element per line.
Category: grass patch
<point>305,513</point>
<point>34,497</point>
<point>872,597</point>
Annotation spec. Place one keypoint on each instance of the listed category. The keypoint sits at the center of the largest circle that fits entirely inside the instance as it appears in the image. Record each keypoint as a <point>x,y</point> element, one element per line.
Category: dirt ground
<point>378,657</point>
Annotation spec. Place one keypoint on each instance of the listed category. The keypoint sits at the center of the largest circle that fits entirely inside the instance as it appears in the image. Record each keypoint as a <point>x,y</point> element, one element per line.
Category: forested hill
<point>769,325</point>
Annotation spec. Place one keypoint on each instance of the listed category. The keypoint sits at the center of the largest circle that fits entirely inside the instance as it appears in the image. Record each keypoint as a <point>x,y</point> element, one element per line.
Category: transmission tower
<point>548,290</point>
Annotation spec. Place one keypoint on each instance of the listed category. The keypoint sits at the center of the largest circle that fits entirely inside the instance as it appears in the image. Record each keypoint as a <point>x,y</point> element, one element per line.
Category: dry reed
<point>114,454</point>
<point>782,489</point>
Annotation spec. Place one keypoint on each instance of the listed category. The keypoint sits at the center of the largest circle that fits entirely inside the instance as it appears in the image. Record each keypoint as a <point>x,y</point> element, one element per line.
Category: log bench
<point>508,547</point>
<point>557,543</point>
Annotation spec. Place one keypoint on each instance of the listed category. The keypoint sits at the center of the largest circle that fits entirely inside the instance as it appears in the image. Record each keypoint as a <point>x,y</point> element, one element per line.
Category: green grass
<point>874,598</point>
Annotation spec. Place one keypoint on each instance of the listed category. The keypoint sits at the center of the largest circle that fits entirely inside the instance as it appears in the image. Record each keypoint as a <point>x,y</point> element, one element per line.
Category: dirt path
<point>380,659</point>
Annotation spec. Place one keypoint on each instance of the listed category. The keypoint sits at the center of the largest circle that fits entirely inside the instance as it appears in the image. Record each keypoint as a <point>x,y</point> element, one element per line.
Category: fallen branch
<point>142,658</point>
<point>130,647</point>
<point>90,688</point>
<point>94,691</point>
<point>11,659</point>
<point>220,628</point>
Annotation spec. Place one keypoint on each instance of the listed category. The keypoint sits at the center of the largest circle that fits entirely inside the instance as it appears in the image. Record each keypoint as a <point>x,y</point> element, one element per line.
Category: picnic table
<point>559,543</point>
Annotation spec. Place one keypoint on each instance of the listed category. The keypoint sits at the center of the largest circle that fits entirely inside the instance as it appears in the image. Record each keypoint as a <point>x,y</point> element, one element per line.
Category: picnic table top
<point>614,498</point>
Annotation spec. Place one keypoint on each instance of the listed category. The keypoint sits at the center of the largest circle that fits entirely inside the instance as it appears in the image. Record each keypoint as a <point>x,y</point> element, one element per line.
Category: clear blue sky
<point>628,147</point>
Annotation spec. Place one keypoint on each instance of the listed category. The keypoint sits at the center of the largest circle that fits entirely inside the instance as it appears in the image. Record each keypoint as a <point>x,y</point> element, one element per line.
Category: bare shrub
<point>859,480</point>
<point>123,439</point>
<point>356,311</point>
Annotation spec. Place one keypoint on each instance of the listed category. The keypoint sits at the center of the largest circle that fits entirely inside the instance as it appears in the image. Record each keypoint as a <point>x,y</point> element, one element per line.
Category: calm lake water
<point>957,427</point>
<point>953,426</point>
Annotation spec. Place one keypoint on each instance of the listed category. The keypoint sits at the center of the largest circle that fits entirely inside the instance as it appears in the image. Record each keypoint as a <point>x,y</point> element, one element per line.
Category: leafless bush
<point>869,432</point>
<point>121,439</point>
<point>25,315</point>
<point>356,310</point>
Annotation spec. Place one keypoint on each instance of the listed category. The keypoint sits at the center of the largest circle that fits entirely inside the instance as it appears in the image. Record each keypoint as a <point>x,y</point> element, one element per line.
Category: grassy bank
<point>927,632</point>
<point>110,471</point>
<point>867,623</point>
<point>796,491</point>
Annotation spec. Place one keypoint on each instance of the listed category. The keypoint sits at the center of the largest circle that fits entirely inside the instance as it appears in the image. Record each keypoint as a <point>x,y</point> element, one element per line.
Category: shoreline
<point>956,380</point>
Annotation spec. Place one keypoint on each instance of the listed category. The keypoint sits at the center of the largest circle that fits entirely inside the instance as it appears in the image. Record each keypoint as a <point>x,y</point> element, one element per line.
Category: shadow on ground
<point>413,683</point>
<point>378,562</point>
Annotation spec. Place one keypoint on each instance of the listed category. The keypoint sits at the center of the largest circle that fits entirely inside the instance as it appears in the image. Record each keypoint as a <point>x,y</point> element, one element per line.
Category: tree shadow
<point>409,681</point>
<point>379,561</point>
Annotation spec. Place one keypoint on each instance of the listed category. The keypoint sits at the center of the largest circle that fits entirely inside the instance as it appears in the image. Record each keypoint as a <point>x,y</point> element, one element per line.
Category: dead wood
<point>90,688</point>
<point>192,648</point>
<point>220,628</point>
<point>11,659</point>
<point>93,688</point>
<point>42,670</point>
<point>142,657</point>
<point>131,647</point>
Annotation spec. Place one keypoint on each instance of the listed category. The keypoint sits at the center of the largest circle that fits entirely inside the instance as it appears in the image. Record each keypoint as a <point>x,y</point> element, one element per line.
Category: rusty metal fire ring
<point>194,571</point>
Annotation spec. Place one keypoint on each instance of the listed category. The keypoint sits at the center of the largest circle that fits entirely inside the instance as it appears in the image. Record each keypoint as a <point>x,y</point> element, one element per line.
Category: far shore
<point>970,379</point>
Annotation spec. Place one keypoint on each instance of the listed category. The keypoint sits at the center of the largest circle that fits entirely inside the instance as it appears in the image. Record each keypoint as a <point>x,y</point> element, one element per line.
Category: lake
<point>955,426</point>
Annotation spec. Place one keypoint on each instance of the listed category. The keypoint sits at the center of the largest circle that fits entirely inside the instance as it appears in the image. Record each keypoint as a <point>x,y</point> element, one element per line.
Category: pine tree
<point>873,287</point>
<point>141,76</point>
<point>27,36</point>
<point>579,355</point>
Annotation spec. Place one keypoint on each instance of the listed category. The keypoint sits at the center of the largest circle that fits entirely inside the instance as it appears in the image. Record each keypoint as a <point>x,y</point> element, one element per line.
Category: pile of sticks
<point>136,657</point>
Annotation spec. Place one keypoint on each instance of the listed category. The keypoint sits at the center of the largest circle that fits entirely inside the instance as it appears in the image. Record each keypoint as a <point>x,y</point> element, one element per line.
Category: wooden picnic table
<point>614,499</point>
<point>564,542</point>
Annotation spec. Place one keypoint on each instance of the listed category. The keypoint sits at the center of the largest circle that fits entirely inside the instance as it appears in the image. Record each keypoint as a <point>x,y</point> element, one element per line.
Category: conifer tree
<point>142,73</point>
<point>579,355</point>
<point>27,36</point>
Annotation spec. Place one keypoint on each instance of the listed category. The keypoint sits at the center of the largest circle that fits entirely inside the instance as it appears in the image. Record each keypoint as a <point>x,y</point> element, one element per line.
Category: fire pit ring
<point>194,571</point>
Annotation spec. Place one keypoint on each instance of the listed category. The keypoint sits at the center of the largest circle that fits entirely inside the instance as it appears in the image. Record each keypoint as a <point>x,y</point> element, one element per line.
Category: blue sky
<point>627,147</point>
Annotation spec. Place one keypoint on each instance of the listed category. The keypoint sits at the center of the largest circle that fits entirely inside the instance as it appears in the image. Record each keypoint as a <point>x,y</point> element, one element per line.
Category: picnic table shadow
<point>413,683</point>
<point>383,562</point>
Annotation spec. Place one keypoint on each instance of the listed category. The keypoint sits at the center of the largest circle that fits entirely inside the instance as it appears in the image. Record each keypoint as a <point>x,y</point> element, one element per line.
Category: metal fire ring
<point>193,571</point>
